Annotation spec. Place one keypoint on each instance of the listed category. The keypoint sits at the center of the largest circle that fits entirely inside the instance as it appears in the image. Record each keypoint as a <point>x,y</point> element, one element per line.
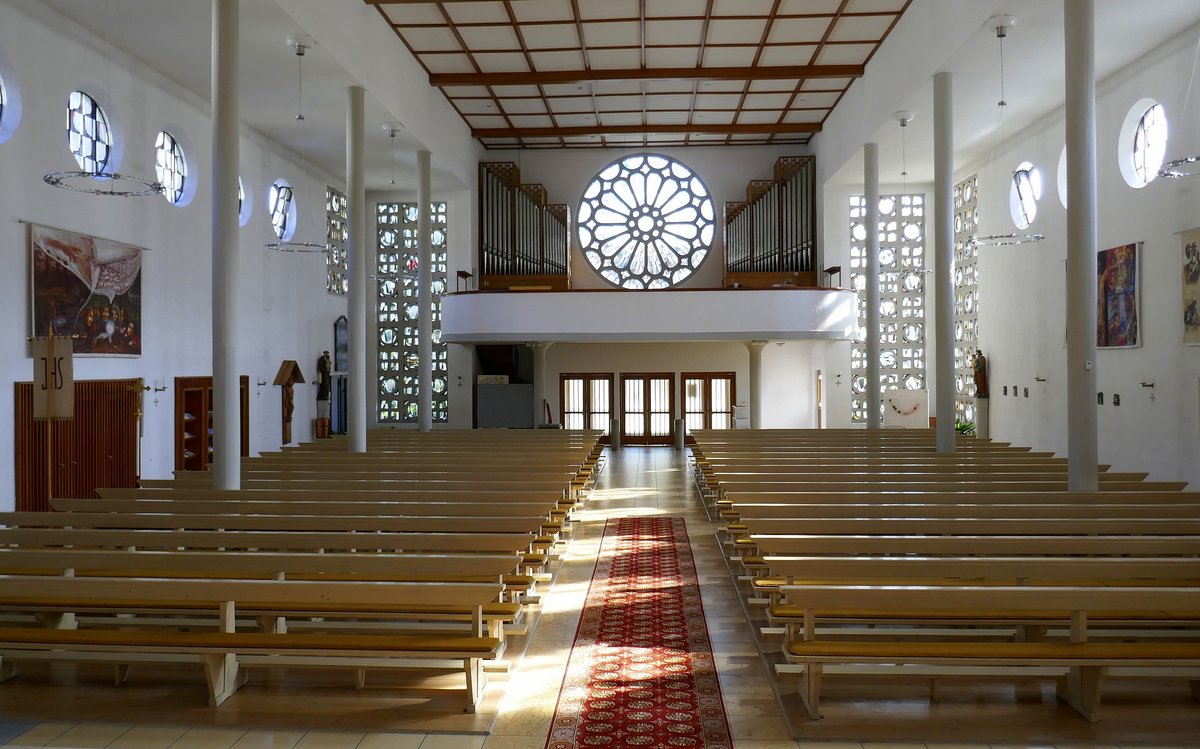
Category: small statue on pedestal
<point>979,365</point>
<point>323,383</point>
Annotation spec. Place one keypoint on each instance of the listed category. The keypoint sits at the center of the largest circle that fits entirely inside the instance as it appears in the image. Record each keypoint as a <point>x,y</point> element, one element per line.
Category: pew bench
<point>224,651</point>
<point>1087,663</point>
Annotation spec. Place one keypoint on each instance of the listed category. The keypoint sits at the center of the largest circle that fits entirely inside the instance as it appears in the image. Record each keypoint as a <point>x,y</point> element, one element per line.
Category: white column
<point>1082,453</point>
<point>226,406</point>
<point>424,297</point>
<point>539,349</point>
<point>756,349</point>
<point>359,261</point>
<point>871,195</point>
<point>943,257</point>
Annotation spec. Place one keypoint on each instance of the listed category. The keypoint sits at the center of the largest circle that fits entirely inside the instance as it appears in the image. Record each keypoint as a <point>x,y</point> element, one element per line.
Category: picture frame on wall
<point>1118,306</point>
<point>88,287</point>
<point>1189,271</point>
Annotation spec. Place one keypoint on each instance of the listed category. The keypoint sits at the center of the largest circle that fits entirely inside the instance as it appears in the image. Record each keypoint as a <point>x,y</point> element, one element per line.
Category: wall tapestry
<point>1190,271</point>
<point>1117,297</point>
<point>88,286</point>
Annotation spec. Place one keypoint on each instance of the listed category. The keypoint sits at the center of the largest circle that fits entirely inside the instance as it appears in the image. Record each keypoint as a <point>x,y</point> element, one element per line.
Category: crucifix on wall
<point>288,375</point>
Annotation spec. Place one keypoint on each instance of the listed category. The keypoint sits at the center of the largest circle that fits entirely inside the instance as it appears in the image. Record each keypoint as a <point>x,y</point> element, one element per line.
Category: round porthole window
<point>1142,143</point>
<point>1023,194</point>
<point>282,204</point>
<point>170,166</point>
<point>88,133</point>
<point>645,222</point>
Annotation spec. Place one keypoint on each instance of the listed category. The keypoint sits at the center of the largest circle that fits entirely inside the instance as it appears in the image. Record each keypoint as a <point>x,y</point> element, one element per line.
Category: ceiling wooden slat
<point>563,132</point>
<point>540,78</point>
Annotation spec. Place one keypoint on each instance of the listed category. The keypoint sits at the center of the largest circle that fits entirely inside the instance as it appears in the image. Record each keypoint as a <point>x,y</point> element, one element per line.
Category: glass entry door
<point>586,401</point>
<point>647,408</point>
<point>708,400</point>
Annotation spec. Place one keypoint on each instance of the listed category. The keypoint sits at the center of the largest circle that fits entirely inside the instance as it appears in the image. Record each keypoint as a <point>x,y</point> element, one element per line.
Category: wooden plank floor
<point>161,707</point>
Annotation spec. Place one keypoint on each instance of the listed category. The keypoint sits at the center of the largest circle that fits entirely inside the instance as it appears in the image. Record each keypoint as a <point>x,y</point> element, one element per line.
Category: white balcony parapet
<point>617,315</point>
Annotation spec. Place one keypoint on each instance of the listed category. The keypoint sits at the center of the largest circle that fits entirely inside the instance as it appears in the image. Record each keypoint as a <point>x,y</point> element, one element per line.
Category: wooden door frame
<point>646,439</point>
<point>587,378</point>
<point>708,377</point>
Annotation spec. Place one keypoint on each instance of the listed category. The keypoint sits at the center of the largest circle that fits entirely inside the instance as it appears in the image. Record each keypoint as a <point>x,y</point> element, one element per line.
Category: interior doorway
<point>708,399</point>
<point>647,408</point>
<point>587,401</point>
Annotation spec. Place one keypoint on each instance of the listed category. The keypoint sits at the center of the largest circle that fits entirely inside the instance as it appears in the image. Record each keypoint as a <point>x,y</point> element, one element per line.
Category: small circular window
<point>281,201</point>
<point>3,100</point>
<point>1142,143</point>
<point>88,133</point>
<point>1062,177</point>
<point>645,222</point>
<point>170,166</point>
<point>1023,194</point>
<point>245,204</point>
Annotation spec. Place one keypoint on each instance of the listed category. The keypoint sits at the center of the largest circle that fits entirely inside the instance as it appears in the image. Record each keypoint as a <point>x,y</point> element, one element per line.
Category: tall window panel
<point>586,401</point>
<point>336,235</point>
<point>397,311</point>
<point>901,296</point>
<point>966,295</point>
<point>708,400</point>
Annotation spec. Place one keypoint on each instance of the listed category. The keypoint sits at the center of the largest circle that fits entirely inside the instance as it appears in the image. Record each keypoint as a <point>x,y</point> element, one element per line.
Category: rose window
<point>645,222</point>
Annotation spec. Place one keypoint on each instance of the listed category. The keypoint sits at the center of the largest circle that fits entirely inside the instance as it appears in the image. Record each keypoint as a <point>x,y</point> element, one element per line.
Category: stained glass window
<point>1023,195</point>
<point>3,100</point>
<point>170,166</point>
<point>901,296</point>
<point>397,311</point>
<point>336,235</point>
<point>645,222</point>
<point>88,133</point>
<point>283,210</point>
<point>966,295</point>
<point>245,202</point>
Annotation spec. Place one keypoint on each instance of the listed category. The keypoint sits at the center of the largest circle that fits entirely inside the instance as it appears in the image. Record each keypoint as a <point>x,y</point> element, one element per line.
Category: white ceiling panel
<point>575,120</point>
<point>402,15</point>
<point>666,118</point>
<point>674,33</point>
<point>566,60</point>
<point>802,115</point>
<point>767,101</point>
<point>550,36</point>
<point>758,118</point>
<point>860,28</point>
<point>808,7</point>
<point>609,119</point>
<point>457,91</point>
<point>742,7</point>
<point>619,103</point>
<point>713,87</point>
<point>812,100</point>
<point>531,120</point>
<point>674,7</point>
<point>486,121</point>
<point>523,106</point>
<point>489,37</point>
<point>672,57</point>
<point>545,10</point>
<point>791,54</point>
<point>612,34</point>
<point>609,9</point>
<point>447,63</point>
<point>780,85</point>
<point>668,87</point>
<point>617,87</point>
<point>572,104</point>
<point>796,30</point>
<point>503,91</point>
<point>844,54</point>
<point>714,118</point>
<point>736,31</point>
<point>475,106</point>
<point>502,62</point>
<point>476,12</point>
<point>729,57</point>
<point>430,40</point>
<point>610,59</point>
<point>668,101</point>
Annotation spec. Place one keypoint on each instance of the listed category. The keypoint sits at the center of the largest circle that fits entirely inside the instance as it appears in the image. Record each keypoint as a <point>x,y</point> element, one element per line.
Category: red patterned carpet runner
<point>641,671</point>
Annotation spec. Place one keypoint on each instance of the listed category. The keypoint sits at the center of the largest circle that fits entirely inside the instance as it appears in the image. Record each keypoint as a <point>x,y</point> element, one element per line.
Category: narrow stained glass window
<point>283,210</point>
<point>170,166</point>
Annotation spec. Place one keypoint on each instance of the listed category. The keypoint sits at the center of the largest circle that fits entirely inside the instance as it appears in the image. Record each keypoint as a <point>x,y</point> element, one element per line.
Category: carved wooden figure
<point>289,374</point>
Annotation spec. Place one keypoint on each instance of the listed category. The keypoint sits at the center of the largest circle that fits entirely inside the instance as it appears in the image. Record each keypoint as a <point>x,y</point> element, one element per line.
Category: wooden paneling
<point>96,448</point>
<point>193,422</point>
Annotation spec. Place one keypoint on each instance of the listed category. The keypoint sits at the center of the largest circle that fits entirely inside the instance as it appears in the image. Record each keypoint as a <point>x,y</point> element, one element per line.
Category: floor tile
<point>391,741</point>
<point>269,740</point>
<point>435,741</point>
<point>330,740</point>
<point>87,735</point>
<point>209,738</point>
<point>148,737</point>
<point>42,734</point>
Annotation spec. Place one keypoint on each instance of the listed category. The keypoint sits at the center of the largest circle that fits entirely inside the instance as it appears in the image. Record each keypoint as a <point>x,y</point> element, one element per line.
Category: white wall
<point>726,171</point>
<point>283,310</point>
<point>1022,308</point>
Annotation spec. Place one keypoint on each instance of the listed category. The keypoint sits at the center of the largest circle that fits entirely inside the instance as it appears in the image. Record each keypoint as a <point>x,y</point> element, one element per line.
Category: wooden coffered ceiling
<point>620,73</point>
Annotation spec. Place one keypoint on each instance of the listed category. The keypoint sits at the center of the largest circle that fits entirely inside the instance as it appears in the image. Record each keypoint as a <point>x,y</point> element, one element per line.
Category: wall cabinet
<point>194,422</point>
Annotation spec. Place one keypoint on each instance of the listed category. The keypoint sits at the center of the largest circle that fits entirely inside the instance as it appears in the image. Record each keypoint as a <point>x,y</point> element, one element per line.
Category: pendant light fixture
<point>1002,24</point>
<point>1185,166</point>
<point>282,194</point>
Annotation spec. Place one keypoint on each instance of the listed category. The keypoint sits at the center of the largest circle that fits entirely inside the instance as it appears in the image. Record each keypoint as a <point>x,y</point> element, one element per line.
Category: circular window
<point>1062,177</point>
<point>645,222</point>
<point>245,204</point>
<point>170,166</point>
<point>1023,195</point>
<point>3,100</point>
<point>283,209</point>
<point>88,133</point>
<point>1142,144</point>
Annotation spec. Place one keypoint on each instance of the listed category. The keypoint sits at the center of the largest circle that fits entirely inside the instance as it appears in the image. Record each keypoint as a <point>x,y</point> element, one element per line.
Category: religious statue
<point>324,380</point>
<point>979,365</point>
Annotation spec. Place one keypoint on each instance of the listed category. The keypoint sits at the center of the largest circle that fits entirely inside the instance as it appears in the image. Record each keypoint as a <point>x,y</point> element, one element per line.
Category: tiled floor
<point>635,481</point>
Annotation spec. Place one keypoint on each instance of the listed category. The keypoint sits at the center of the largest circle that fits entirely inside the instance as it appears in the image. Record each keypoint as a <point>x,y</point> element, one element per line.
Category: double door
<point>647,408</point>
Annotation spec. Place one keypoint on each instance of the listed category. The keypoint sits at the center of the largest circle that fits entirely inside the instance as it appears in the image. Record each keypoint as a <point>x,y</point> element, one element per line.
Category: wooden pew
<point>959,497</point>
<point>224,651</point>
<point>415,508</point>
<point>965,510</point>
<point>963,485</point>
<point>1087,663</point>
<point>976,544</point>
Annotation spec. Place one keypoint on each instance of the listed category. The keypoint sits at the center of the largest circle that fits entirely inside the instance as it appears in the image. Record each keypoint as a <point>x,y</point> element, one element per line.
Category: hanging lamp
<point>1185,166</point>
<point>299,44</point>
<point>1002,24</point>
